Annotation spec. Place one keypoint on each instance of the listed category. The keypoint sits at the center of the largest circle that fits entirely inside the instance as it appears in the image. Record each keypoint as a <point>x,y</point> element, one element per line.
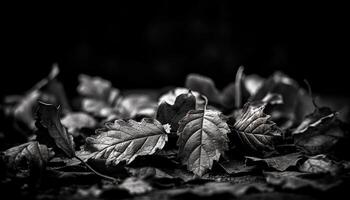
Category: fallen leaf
<point>320,164</point>
<point>319,133</point>
<point>279,163</point>
<point>125,140</point>
<point>34,155</point>
<point>170,97</point>
<point>135,105</point>
<point>76,121</point>
<point>202,139</point>
<point>48,116</point>
<point>172,114</point>
<point>135,186</point>
<point>285,115</point>
<point>236,167</point>
<point>97,88</point>
<point>255,129</point>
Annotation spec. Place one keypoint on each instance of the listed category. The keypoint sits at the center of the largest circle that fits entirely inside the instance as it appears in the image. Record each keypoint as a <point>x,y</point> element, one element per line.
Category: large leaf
<point>48,117</point>
<point>172,114</point>
<point>33,154</point>
<point>125,140</point>
<point>202,139</point>
<point>255,129</point>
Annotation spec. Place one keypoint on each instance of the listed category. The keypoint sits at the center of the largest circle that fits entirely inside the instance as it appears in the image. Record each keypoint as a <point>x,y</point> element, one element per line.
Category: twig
<point>95,172</point>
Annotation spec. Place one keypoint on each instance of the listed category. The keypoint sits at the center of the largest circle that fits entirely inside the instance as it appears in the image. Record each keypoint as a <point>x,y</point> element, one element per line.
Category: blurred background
<point>157,45</point>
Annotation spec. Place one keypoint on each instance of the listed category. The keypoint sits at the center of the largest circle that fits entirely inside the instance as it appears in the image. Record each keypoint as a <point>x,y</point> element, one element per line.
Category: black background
<point>156,45</point>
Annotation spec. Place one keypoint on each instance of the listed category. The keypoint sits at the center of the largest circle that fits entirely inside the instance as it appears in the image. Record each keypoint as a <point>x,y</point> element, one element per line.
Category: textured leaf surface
<point>125,140</point>
<point>48,116</point>
<point>172,114</point>
<point>255,129</point>
<point>202,139</point>
<point>33,153</point>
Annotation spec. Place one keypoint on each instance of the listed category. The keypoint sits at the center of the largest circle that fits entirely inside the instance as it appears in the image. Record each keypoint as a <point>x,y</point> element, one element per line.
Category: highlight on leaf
<point>202,140</point>
<point>255,129</point>
<point>125,140</point>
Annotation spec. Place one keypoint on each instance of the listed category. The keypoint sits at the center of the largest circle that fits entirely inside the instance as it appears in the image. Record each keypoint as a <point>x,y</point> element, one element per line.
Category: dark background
<point>156,45</point>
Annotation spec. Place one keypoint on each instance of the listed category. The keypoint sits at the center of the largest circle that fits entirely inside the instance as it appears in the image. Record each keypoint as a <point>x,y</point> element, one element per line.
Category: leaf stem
<point>95,172</point>
<point>238,96</point>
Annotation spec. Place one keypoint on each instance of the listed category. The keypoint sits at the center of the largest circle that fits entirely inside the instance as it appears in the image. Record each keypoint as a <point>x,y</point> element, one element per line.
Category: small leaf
<point>76,121</point>
<point>48,116</point>
<point>279,163</point>
<point>32,153</point>
<point>255,129</point>
<point>125,140</point>
<point>172,114</point>
<point>202,139</point>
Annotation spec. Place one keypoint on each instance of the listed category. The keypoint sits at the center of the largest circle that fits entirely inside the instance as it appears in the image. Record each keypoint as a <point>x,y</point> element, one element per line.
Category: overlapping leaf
<point>125,140</point>
<point>48,117</point>
<point>255,129</point>
<point>76,121</point>
<point>202,139</point>
<point>31,153</point>
<point>171,96</point>
<point>172,114</point>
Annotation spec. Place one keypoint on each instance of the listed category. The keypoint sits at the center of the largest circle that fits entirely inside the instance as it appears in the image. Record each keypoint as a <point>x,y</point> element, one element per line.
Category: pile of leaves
<point>257,136</point>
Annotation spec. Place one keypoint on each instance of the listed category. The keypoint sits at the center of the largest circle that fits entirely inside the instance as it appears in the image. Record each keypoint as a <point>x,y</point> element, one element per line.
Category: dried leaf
<point>125,140</point>
<point>171,96</point>
<point>97,88</point>
<point>236,167</point>
<point>136,105</point>
<point>99,96</point>
<point>48,116</point>
<point>172,114</point>
<point>255,129</point>
<point>320,164</point>
<point>279,163</point>
<point>285,115</point>
<point>76,121</point>
<point>33,154</point>
<point>202,139</point>
<point>319,133</point>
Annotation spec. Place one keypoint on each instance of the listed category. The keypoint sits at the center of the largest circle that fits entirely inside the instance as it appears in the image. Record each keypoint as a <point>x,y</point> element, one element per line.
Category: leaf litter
<point>255,138</point>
